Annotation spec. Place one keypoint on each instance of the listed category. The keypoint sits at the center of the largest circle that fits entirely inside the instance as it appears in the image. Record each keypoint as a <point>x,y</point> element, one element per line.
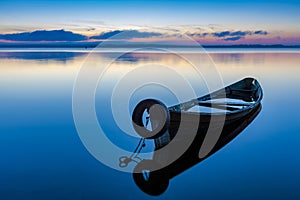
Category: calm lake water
<point>42,156</point>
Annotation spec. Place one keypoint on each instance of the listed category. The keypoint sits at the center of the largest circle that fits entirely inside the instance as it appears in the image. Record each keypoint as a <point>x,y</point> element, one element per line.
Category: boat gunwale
<point>227,90</point>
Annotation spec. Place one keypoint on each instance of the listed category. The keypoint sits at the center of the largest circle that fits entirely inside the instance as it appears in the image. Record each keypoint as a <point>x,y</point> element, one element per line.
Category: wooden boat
<point>231,103</point>
<point>230,110</point>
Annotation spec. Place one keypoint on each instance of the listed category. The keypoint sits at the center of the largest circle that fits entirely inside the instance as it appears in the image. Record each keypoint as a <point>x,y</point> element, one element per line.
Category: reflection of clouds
<point>250,58</point>
<point>98,57</point>
<point>227,57</point>
<point>168,59</point>
<point>269,65</point>
<point>143,58</point>
<point>41,56</point>
<point>133,57</point>
<point>233,59</point>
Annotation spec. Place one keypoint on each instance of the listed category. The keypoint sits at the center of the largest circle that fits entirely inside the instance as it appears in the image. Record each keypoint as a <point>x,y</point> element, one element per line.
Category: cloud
<point>236,35</point>
<point>260,32</point>
<point>233,38</point>
<point>62,35</point>
<point>68,36</point>
<point>106,35</point>
<point>127,34</point>
<point>44,35</point>
<point>221,34</point>
<point>240,33</point>
<point>202,35</point>
<point>78,27</point>
<point>232,33</point>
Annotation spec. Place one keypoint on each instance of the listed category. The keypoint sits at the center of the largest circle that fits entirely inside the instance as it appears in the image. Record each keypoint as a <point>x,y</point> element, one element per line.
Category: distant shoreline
<point>93,45</point>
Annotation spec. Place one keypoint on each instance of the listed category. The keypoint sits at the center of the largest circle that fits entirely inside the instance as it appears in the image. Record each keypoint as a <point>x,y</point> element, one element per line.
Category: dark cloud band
<point>62,35</point>
<point>43,35</point>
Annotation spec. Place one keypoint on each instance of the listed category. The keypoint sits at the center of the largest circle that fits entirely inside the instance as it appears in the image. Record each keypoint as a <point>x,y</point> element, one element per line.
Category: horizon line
<point>95,44</point>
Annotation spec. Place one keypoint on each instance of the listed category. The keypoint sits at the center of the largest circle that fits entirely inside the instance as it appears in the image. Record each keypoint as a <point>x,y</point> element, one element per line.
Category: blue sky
<point>279,18</point>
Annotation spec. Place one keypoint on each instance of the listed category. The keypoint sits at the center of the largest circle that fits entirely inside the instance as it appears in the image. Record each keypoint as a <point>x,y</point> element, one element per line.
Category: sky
<point>204,20</point>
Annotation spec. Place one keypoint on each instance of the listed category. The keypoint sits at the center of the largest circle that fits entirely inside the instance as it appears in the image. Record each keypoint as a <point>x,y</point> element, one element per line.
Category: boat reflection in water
<point>184,137</point>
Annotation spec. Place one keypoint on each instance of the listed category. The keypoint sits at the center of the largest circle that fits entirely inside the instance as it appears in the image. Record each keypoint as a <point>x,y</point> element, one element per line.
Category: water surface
<point>43,157</point>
